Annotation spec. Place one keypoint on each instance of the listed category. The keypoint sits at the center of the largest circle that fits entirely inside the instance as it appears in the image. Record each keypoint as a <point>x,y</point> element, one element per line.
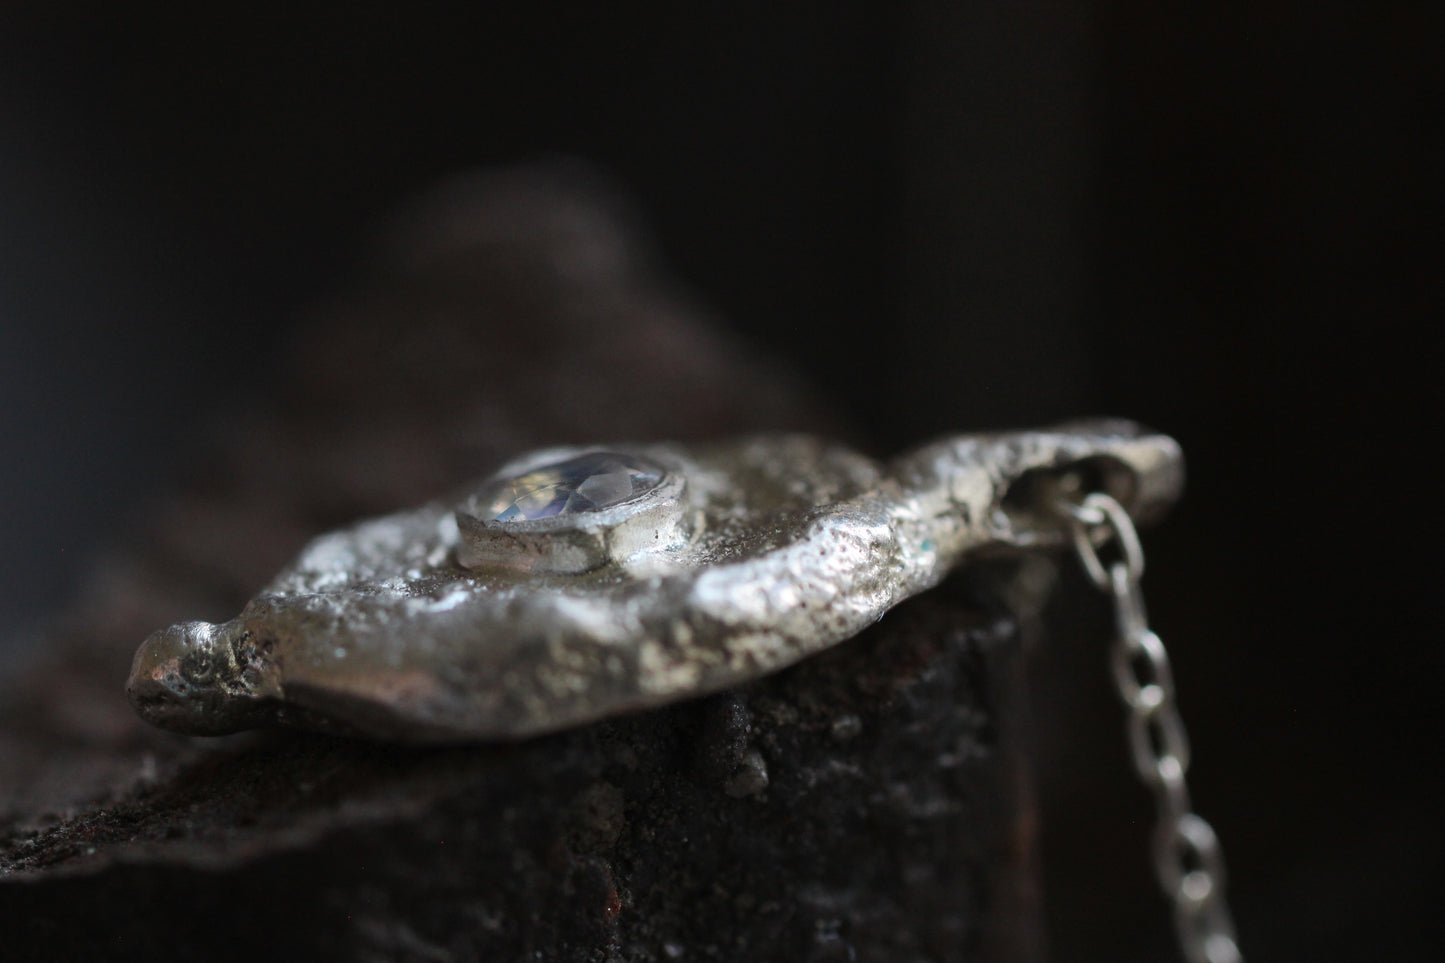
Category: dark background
<point>1224,222</point>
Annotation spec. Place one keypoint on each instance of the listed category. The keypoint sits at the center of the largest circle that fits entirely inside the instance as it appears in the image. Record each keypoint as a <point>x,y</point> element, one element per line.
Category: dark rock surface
<point>854,807</point>
<point>867,804</point>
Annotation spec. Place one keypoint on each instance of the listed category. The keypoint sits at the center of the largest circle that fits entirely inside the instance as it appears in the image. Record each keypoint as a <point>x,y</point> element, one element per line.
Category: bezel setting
<point>573,542</point>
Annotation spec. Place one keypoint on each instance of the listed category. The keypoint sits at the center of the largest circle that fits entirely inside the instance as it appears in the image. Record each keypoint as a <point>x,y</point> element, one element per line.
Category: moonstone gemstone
<point>587,483</point>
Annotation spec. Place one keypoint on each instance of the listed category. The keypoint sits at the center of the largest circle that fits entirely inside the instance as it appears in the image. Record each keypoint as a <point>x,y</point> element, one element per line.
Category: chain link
<point>1187,858</point>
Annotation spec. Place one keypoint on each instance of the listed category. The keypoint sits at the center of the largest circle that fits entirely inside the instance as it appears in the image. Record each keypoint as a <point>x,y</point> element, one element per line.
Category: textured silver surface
<point>781,547</point>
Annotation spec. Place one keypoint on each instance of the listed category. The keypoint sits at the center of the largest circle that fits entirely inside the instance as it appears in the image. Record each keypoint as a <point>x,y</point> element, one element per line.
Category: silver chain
<point>1187,857</point>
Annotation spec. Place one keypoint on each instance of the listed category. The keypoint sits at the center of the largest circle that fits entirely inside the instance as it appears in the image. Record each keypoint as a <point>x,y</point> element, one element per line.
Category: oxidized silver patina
<point>646,574</point>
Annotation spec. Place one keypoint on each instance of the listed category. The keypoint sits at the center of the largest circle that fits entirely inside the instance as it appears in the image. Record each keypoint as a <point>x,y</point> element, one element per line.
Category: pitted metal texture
<point>754,554</point>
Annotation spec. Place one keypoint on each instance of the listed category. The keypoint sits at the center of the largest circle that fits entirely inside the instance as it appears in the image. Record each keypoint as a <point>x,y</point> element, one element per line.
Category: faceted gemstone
<point>586,483</point>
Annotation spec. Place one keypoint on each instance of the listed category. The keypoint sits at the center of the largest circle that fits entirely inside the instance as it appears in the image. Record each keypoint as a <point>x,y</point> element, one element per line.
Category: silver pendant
<point>579,583</point>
